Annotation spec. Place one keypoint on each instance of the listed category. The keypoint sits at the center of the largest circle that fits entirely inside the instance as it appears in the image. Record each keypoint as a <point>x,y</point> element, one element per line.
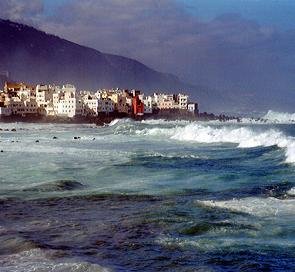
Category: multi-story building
<point>26,107</point>
<point>148,104</point>
<point>89,104</point>
<point>122,106</point>
<point>170,101</point>
<point>137,106</point>
<point>44,94</point>
<point>51,100</point>
<point>105,106</point>
<point>182,101</point>
<point>18,98</point>
<point>31,106</point>
<point>193,108</point>
<point>67,103</point>
<point>167,101</point>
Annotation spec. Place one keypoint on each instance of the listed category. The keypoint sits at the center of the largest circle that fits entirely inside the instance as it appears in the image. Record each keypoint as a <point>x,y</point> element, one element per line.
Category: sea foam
<point>255,206</point>
<point>45,260</point>
<point>279,117</point>
<point>291,192</point>
<point>244,137</point>
<point>119,121</point>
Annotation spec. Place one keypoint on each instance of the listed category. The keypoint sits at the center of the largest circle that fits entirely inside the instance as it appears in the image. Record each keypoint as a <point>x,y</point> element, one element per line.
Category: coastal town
<point>24,100</point>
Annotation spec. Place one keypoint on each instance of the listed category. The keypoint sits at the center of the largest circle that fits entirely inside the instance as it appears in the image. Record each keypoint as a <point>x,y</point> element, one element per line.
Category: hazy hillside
<point>34,56</point>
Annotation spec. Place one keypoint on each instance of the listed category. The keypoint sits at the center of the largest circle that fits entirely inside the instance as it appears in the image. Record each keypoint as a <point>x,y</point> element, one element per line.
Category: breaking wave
<point>244,137</point>
<point>279,117</point>
<point>164,122</point>
<point>291,192</point>
<point>119,121</point>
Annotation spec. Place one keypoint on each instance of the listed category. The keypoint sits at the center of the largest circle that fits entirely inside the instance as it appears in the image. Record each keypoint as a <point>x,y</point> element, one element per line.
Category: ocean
<point>149,195</point>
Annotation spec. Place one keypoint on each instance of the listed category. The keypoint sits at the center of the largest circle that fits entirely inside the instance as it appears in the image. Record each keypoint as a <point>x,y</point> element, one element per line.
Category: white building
<point>26,94</point>
<point>67,106</point>
<point>193,108</point>
<point>20,107</point>
<point>182,101</point>
<point>65,102</point>
<point>148,104</point>
<point>44,95</point>
<point>31,106</point>
<point>90,105</point>
<point>165,101</point>
<point>157,98</point>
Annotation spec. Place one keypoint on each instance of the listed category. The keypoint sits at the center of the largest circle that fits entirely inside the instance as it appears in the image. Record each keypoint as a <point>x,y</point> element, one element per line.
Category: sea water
<point>149,195</point>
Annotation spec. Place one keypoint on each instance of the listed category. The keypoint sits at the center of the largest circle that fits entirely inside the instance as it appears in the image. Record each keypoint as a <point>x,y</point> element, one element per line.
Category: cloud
<point>139,29</point>
<point>21,10</point>
<point>150,30</point>
<point>229,53</point>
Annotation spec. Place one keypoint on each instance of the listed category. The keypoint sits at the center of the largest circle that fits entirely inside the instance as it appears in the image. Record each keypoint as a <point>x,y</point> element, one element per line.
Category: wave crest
<point>244,137</point>
<point>279,117</point>
<point>119,121</point>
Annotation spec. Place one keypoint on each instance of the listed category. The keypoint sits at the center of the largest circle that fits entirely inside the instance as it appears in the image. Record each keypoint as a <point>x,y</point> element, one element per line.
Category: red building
<point>137,106</point>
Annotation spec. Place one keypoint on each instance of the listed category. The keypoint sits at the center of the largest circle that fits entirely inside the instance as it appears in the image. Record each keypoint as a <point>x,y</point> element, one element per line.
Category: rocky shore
<point>103,119</point>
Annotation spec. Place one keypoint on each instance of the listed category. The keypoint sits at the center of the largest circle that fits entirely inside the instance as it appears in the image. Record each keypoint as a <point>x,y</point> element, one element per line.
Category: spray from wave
<point>119,122</point>
<point>279,117</point>
<point>244,137</point>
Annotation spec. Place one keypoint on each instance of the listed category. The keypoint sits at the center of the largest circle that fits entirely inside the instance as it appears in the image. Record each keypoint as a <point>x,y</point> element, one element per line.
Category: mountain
<point>34,56</point>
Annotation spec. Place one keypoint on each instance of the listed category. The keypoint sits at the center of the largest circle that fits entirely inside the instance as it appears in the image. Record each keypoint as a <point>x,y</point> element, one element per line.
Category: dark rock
<point>58,185</point>
<point>37,141</point>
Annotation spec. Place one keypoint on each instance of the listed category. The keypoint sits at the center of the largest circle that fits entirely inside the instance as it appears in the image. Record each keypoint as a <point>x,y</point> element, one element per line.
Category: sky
<point>50,6</point>
<point>269,12</point>
<point>89,21</point>
<point>241,46</point>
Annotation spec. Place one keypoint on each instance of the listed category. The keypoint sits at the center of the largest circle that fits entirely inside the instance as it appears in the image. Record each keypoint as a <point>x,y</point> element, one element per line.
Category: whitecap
<point>174,155</point>
<point>291,192</point>
<point>279,117</point>
<point>261,207</point>
<point>119,121</point>
<point>244,137</point>
<point>164,122</point>
<point>44,260</point>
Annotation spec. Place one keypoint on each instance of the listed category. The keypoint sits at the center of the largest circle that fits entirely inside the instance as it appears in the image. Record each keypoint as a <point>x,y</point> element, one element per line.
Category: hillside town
<point>20,99</point>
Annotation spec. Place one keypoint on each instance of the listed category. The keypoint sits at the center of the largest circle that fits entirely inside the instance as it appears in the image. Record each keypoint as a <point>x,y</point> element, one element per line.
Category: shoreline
<point>103,119</point>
